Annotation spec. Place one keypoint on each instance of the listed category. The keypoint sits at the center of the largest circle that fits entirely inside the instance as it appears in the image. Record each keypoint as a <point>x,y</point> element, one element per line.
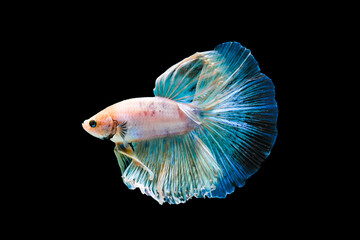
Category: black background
<point>90,62</point>
<point>109,69</point>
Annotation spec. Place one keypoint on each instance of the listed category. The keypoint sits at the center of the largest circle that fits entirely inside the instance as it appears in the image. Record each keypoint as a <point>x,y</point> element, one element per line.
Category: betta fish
<point>209,127</point>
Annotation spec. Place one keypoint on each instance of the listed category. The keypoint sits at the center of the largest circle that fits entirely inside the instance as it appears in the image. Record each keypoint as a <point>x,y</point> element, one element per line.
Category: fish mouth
<point>84,125</point>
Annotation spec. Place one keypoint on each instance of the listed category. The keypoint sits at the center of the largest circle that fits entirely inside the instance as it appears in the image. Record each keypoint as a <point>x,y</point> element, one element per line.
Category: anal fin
<point>183,167</point>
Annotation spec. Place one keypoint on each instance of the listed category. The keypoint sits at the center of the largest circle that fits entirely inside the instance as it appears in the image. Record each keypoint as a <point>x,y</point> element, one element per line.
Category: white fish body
<point>149,118</point>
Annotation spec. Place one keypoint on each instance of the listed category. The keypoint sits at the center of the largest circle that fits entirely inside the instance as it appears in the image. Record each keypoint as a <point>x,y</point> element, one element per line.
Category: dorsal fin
<point>205,74</point>
<point>179,81</point>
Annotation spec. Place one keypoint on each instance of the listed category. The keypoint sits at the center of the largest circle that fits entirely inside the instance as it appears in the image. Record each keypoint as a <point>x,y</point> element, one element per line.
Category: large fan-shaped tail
<point>239,111</point>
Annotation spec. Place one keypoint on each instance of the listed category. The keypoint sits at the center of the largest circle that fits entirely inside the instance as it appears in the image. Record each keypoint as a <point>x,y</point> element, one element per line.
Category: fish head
<point>100,125</point>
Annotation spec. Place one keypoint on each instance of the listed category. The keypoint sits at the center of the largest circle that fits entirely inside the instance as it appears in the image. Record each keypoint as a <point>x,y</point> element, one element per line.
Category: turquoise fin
<point>236,109</point>
<point>179,81</point>
<point>183,167</point>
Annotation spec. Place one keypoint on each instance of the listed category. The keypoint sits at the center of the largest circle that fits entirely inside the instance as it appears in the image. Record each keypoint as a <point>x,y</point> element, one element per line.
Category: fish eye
<point>92,123</point>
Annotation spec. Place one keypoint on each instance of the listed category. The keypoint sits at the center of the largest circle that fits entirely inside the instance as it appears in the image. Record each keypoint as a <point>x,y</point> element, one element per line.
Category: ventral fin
<point>122,159</point>
<point>127,150</point>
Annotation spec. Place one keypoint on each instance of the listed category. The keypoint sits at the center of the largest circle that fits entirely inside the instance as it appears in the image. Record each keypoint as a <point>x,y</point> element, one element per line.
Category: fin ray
<point>179,81</point>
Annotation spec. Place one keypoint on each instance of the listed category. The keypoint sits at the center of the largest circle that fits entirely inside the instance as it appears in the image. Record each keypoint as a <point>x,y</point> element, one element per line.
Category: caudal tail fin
<point>237,105</point>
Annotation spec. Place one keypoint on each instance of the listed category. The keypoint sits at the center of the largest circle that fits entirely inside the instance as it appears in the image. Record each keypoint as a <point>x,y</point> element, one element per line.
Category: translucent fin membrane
<point>237,106</point>
<point>242,132</point>
<point>179,82</point>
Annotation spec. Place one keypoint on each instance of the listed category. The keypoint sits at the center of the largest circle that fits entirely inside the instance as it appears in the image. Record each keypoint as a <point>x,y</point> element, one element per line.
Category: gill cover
<point>100,125</point>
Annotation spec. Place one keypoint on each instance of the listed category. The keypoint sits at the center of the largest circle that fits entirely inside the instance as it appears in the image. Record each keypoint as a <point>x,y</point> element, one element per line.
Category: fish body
<point>209,127</point>
<point>146,118</point>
